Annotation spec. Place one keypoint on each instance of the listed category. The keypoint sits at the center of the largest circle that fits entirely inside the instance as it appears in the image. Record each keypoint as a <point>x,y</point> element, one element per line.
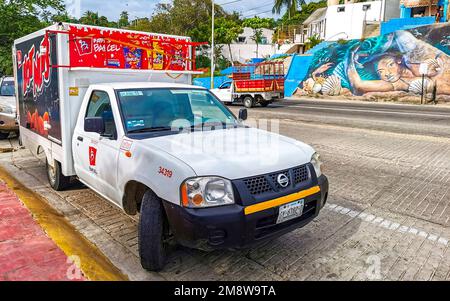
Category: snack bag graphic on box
<point>158,57</point>
<point>133,58</point>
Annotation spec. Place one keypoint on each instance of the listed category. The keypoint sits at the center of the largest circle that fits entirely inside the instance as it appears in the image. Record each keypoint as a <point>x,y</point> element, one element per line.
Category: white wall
<point>248,33</point>
<point>244,52</point>
<point>349,24</point>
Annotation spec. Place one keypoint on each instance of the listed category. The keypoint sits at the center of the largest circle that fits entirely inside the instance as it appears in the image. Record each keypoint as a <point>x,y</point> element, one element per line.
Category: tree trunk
<point>257,49</point>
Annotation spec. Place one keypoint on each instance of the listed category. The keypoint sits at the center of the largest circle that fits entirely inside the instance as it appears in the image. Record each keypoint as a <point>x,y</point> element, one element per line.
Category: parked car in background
<point>8,120</point>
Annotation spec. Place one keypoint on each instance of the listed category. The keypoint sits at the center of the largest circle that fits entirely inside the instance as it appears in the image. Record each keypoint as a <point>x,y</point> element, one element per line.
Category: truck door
<point>224,92</point>
<point>96,155</point>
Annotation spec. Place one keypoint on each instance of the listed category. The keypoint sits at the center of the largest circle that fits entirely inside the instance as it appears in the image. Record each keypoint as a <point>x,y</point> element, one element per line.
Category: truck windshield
<point>168,109</point>
<point>7,88</point>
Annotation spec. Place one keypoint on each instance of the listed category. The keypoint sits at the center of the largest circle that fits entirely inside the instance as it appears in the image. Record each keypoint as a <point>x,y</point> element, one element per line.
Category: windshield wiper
<point>152,129</point>
<point>214,125</point>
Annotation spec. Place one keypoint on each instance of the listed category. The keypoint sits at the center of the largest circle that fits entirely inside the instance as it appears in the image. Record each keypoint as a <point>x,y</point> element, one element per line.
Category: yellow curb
<point>93,263</point>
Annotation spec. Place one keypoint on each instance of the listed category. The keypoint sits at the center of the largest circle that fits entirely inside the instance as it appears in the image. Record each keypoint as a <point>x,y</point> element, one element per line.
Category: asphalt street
<point>432,120</point>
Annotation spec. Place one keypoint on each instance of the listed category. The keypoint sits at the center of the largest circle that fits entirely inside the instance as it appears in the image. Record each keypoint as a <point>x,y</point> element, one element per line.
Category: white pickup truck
<point>252,84</point>
<point>173,153</point>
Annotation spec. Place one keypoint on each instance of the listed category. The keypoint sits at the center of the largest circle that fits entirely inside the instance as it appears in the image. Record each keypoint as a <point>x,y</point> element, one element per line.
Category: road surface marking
<point>369,111</point>
<point>382,222</point>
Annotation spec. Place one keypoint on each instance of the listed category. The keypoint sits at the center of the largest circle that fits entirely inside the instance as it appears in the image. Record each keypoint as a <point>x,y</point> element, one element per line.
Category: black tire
<point>4,136</point>
<point>152,233</point>
<point>55,177</point>
<point>248,102</point>
<point>264,103</point>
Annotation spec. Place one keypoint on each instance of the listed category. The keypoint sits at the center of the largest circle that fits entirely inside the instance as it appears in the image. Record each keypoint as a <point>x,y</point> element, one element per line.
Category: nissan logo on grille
<point>283,180</point>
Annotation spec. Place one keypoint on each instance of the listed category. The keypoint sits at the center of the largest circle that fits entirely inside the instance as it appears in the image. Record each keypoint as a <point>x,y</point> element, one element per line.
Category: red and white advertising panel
<point>108,48</point>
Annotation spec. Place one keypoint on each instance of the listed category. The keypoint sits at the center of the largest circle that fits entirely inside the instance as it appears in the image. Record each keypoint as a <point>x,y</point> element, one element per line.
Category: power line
<point>259,6</point>
<point>260,13</point>
<point>229,2</point>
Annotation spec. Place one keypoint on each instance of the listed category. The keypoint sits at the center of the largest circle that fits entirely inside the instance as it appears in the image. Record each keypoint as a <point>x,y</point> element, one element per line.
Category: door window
<point>226,85</point>
<point>100,106</point>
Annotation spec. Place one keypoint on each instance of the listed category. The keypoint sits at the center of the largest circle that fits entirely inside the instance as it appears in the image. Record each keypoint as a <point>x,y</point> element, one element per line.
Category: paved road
<point>388,215</point>
<point>427,120</point>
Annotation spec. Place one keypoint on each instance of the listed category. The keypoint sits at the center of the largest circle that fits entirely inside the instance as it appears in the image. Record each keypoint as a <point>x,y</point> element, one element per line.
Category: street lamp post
<point>212,45</point>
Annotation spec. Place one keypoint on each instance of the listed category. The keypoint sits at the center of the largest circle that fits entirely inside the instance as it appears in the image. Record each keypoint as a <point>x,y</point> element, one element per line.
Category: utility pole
<point>212,45</point>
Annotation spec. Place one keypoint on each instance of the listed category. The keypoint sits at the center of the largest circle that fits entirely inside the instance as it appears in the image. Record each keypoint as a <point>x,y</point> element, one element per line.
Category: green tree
<point>123,20</point>
<point>93,18</point>
<point>226,31</point>
<point>291,6</point>
<point>313,41</point>
<point>301,15</point>
<point>19,18</point>
<point>90,18</point>
<point>257,24</point>
<point>183,17</point>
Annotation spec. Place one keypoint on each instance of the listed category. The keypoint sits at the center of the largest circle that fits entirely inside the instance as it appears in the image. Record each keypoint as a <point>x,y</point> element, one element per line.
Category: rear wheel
<point>153,233</point>
<point>3,135</point>
<point>57,180</point>
<point>264,103</point>
<point>248,102</point>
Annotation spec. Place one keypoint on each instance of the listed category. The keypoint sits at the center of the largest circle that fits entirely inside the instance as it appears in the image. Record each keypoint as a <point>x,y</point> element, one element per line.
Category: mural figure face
<point>389,69</point>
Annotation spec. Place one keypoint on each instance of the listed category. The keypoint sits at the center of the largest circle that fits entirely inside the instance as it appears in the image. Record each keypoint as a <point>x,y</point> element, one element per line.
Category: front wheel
<point>248,102</point>
<point>57,180</point>
<point>153,233</point>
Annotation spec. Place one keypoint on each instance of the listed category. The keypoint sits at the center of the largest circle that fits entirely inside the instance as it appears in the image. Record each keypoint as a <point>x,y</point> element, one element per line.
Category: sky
<point>144,8</point>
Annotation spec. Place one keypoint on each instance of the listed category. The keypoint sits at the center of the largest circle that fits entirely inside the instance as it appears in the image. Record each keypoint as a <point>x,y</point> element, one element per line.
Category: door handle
<point>79,138</point>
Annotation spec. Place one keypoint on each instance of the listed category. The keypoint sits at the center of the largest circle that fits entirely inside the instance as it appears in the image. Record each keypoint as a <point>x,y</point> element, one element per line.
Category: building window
<point>341,9</point>
<point>366,7</point>
<point>241,39</point>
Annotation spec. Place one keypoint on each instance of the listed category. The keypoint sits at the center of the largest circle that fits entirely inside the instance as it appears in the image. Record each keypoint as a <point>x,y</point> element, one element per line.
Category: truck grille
<point>300,174</point>
<point>257,185</point>
<point>268,183</point>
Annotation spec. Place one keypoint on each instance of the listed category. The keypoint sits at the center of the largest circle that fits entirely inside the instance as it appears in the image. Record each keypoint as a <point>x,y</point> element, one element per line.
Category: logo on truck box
<point>35,68</point>
<point>37,82</point>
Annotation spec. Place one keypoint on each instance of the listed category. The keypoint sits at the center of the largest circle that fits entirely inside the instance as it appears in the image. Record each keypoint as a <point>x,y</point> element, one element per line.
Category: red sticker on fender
<point>92,155</point>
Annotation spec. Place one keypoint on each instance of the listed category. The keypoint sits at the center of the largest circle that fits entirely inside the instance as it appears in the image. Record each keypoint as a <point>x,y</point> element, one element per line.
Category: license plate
<point>290,211</point>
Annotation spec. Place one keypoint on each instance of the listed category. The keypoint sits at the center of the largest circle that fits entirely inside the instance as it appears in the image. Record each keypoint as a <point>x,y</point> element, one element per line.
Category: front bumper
<point>8,123</point>
<point>234,227</point>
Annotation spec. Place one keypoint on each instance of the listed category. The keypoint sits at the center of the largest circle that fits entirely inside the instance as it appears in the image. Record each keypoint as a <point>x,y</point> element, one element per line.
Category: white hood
<point>233,153</point>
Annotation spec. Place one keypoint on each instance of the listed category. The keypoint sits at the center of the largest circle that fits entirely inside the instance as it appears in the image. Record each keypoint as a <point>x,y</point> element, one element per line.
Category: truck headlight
<point>317,163</point>
<point>206,192</point>
<point>6,109</point>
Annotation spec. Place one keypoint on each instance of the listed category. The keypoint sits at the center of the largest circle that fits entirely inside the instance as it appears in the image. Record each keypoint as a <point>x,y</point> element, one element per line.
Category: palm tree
<point>90,18</point>
<point>291,6</point>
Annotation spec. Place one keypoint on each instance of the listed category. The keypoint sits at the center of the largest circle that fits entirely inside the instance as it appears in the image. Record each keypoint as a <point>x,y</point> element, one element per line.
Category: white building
<point>244,48</point>
<point>357,20</point>
<point>316,23</point>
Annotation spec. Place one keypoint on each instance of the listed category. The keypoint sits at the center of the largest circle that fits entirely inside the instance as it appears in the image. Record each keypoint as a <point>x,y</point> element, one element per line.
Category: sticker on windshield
<point>130,93</point>
<point>194,92</point>
<point>135,123</point>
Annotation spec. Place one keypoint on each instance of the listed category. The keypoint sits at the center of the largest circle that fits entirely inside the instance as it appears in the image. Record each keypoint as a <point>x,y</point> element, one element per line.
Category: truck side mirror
<point>94,125</point>
<point>243,114</point>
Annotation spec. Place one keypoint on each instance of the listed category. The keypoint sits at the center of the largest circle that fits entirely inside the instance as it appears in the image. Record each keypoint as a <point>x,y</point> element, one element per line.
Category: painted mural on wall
<point>392,63</point>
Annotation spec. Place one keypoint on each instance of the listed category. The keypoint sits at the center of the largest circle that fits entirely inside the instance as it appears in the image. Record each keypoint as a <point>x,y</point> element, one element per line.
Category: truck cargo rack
<point>261,77</point>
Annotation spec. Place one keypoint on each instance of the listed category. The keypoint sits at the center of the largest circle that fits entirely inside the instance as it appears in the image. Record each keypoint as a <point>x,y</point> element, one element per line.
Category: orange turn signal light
<point>128,154</point>
<point>184,196</point>
<point>197,199</point>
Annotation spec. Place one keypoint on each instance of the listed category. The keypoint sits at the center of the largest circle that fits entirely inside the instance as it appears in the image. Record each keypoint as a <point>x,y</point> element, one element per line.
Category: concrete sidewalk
<point>26,252</point>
